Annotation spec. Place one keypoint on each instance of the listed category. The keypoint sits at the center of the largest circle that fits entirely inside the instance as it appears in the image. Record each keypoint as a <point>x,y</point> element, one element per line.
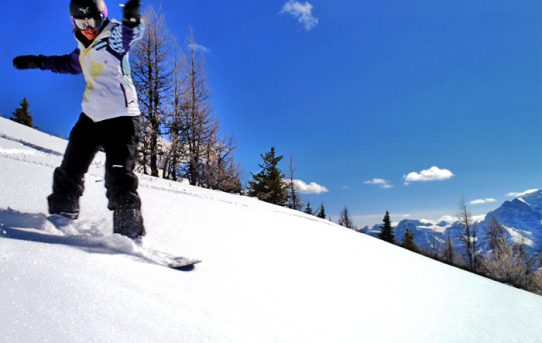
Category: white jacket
<point>110,91</point>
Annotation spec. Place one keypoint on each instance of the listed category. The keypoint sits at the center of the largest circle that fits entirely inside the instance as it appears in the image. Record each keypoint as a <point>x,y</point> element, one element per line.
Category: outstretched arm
<point>65,64</point>
<point>132,29</point>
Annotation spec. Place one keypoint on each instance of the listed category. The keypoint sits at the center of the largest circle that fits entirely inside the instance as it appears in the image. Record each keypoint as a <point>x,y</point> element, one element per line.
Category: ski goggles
<point>88,23</point>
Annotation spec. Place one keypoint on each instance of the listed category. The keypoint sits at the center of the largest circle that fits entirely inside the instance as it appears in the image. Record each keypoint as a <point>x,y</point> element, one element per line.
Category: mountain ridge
<point>521,217</point>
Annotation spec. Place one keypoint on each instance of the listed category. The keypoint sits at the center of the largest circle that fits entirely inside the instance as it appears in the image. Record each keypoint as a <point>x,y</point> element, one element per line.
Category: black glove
<point>132,16</point>
<point>29,62</point>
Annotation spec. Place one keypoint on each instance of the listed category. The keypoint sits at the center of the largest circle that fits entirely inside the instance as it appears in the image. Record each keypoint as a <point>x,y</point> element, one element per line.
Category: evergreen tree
<point>268,185</point>
<point>408,242</point>
<point>321,213</point>
<point>22,115</point>
<point>308,209</point>
<point>386,233</point>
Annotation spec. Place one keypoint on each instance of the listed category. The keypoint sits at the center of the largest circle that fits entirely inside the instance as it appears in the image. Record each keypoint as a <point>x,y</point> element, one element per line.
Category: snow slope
<point>268,274</point>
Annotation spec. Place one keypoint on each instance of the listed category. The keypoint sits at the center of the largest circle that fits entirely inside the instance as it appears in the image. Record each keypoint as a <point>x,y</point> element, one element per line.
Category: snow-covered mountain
<point>521,218</point>
<point>428,236</point>
<point>269,274</point>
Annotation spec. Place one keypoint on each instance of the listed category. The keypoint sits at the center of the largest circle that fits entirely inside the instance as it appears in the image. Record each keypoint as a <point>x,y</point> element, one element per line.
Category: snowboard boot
<point>129,223</point>
<point>59,221</point>
<point>65,207</point>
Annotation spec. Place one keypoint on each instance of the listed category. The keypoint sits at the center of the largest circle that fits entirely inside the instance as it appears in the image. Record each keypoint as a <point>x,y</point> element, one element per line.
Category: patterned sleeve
<point>65,64</point>
<point>123,38</point>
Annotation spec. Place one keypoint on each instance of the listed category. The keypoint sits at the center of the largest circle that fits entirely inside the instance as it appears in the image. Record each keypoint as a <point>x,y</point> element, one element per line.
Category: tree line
<point>506,261</point>
<point>180,136</point>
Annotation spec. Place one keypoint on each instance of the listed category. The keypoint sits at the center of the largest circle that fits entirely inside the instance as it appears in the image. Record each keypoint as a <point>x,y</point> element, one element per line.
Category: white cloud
<point>303,13</point>
<point>429,217</point>
<point>198,47</point>
<point>520,194</point>
<point>376,219</point>
<point>379,182</point>
<point>431,174</point>
<point>479,218</point>
<point>482,201</point>
<point>447,218</point>
<point>367,219</point>
<point>452,219</point>
<point>311,188</point>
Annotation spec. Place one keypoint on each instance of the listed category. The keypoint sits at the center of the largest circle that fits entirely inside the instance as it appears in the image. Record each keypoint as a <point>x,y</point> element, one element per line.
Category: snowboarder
<point>110,117</point>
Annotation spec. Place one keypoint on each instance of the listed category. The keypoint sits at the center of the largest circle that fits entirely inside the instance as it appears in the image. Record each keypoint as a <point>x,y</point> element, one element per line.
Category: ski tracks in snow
<point>84,235</point>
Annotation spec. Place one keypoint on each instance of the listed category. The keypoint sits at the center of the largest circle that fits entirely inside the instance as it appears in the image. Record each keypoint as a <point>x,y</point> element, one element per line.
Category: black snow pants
<point>118,137</point>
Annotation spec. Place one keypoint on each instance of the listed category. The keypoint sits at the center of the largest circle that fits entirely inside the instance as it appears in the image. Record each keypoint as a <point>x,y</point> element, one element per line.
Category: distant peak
<point>529,192</point>
<point>533,192</point>
<point>532,198</point>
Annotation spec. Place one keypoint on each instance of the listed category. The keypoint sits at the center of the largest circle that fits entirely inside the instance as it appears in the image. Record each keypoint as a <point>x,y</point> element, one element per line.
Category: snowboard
<point>167,260</point>
<point>183,263</point>
<point>89,237</point>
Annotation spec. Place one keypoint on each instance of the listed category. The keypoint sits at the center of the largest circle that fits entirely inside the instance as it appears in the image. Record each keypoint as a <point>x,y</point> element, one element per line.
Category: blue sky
<point>403,105</point>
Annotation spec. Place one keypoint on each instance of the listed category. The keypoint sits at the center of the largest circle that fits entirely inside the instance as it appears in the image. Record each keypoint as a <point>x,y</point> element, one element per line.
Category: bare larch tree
<point>152,79</point>
<point>197,123</point>
<point>294,201</point>
<point>469,235</point>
